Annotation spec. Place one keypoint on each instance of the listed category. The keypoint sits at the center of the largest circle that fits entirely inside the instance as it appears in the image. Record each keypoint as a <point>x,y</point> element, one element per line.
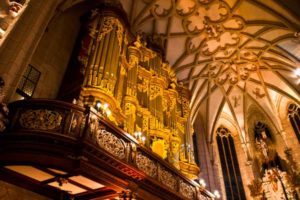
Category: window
<point>196,149</point>
<point>28,82</point>
<point>294,116</point>
<point>230,166</point>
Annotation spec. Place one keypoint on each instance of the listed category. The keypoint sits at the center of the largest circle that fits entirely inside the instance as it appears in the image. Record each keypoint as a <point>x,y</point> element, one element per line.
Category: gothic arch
<point>283,110</point>
<point>229,163</point>
<point>226,121</point>
<point>294,117</point>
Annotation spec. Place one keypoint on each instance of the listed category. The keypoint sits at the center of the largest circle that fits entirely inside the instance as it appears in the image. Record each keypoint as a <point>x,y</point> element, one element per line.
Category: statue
<point>9,10</point>
<point>174,153</point>
<point>262,145</point>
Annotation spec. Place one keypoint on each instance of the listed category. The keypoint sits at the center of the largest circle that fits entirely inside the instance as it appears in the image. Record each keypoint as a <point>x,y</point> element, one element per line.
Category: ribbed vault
<point>229,53</point>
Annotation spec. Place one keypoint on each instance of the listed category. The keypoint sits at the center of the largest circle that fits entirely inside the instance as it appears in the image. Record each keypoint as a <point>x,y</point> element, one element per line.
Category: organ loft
<point>121,74</point>
<point>149,100</point>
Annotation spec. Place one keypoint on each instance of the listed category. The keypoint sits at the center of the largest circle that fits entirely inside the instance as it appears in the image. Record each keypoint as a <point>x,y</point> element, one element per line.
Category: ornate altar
<point>275,180</point>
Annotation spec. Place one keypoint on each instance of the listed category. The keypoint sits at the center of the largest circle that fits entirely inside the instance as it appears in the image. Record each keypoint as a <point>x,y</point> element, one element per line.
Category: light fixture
<point>297,72</point>
<point>217,194</point>
<point>139,137</point>
<point>2,32</point>
<point>98,105</point>
<point>105,106</point>
<point>108,112</point>
<point>103,109</point>
<point>202,182</point>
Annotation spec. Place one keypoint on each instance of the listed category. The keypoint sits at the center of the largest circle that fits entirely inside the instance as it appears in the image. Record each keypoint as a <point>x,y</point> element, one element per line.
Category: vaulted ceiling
<point>230,53</point>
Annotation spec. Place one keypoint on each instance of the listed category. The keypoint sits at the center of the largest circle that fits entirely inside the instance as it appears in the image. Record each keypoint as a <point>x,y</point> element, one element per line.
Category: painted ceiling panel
<point>160,26</point>
<point>174,52</point>
<point>252,29</point>
<point>198,69</point>
<point>292,46</point>
<point>275,33</point>
<point>213,111</point>
<point>279,85</point>
<point>251,11</point>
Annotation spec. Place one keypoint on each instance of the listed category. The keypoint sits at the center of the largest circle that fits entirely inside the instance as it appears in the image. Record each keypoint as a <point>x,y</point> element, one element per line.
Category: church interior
<point>149,99</point>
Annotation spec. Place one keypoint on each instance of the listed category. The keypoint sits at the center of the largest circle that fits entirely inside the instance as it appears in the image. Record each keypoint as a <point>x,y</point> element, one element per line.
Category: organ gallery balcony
<point>61,149</point>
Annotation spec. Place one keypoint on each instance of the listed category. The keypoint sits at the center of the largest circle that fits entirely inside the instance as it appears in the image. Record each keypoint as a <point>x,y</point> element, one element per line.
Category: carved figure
<point>263,147</point>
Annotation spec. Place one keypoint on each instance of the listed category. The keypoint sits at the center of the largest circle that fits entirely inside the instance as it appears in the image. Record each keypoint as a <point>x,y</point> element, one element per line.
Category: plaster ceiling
<point>230,53</point>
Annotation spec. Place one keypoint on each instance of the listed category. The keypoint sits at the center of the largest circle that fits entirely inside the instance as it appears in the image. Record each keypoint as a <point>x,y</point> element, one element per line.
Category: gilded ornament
<point>107,26</point>
<point>167,178</point>
<point>111,143</point>
<point>155,91</point>
<point>146,165</point>
<point>40,119</point>
<point>159,147</point>
<point>186,189</point>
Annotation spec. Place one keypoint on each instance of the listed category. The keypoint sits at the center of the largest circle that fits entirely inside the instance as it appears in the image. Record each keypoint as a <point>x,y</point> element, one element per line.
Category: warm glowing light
<point>202,182</point>
<point>98,105</point>
<point>2,32</point>
<point>108,112</point>
<point>143,138</point>
<point>217,194</point>
<point>297,72</point>
<point>105,106</point>
<point>139,136</point>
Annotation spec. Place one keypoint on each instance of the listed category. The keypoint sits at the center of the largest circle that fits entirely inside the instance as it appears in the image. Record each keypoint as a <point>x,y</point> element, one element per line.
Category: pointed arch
<point>230,167</point>
<point>294,117</point>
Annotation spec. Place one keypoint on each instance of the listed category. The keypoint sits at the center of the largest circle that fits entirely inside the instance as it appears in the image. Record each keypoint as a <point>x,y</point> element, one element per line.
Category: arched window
<point>294,116</point>
<point>230,166</point>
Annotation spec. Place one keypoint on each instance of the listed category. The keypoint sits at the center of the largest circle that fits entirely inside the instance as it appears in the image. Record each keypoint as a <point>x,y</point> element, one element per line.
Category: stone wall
<point>19,46</point>
<point>53,53</point>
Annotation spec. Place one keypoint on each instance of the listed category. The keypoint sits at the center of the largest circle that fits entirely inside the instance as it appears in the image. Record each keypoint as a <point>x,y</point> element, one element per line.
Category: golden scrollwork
<point>108,25</point>
<point>186,189</point>
<point>111,143</point>
<point>40,119</point>
<point>167,178</point>
<point>143,87</point>
<point>155,91</point>
<point>146,165</point>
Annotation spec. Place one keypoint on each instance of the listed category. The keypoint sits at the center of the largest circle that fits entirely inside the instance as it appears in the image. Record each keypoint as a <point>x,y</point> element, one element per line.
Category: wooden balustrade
<point>98,137</point>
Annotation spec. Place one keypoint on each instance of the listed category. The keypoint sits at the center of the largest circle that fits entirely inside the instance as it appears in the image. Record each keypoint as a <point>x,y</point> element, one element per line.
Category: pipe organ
<point>139,86</point>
